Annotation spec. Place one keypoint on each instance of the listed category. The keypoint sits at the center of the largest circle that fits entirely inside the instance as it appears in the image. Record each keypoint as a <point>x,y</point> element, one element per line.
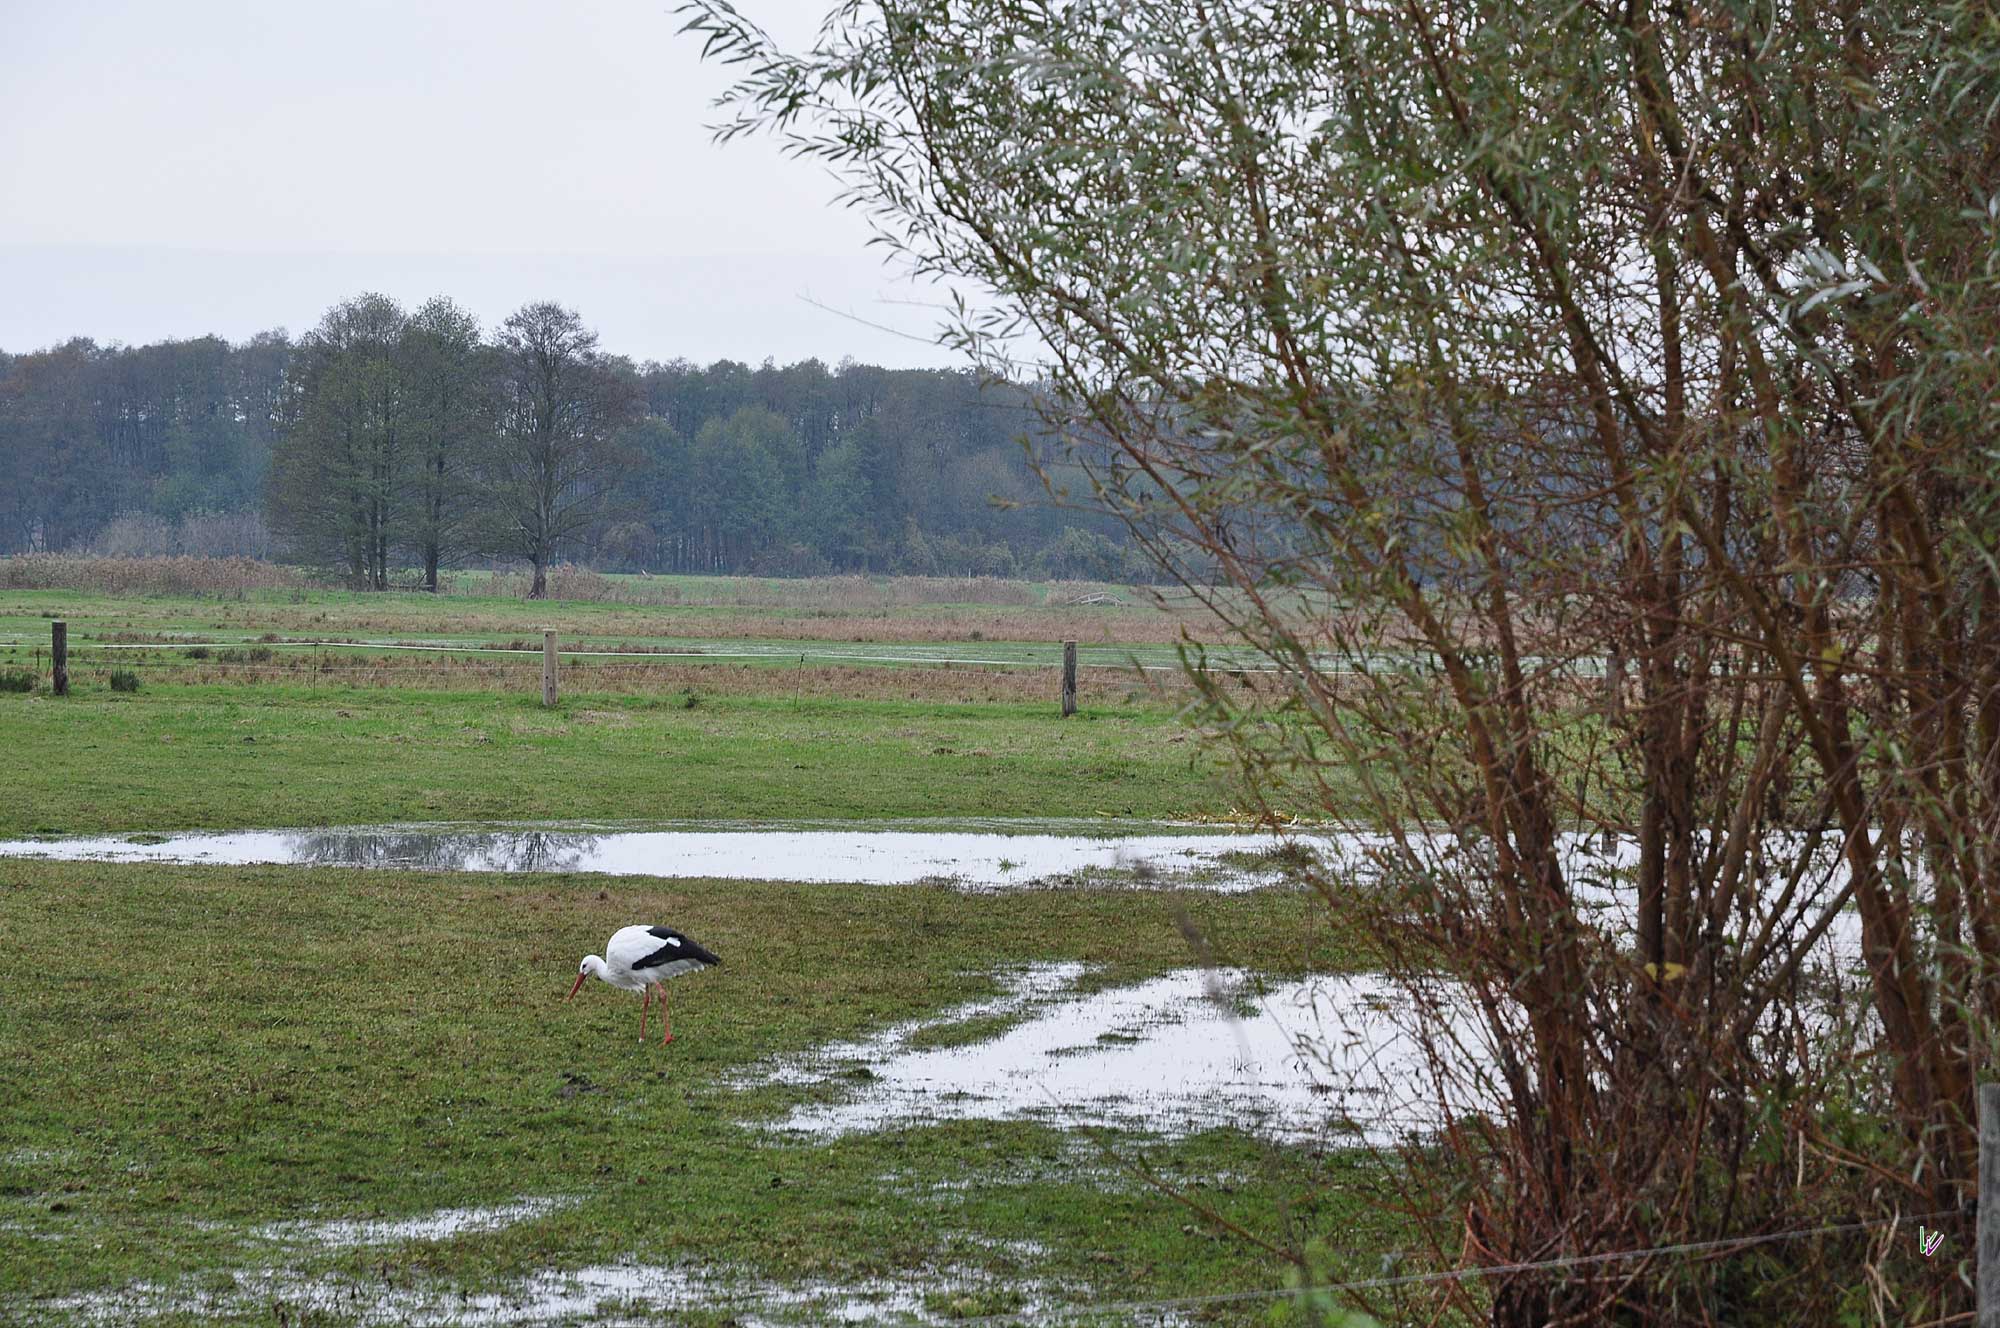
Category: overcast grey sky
<point>227,166</point>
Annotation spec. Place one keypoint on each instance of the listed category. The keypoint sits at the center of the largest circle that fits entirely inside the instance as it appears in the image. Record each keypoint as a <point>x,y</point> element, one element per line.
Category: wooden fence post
<point>1069,679</point>
<point>548,668</point>
<point>59,651</point>
<point>1989,1206</point>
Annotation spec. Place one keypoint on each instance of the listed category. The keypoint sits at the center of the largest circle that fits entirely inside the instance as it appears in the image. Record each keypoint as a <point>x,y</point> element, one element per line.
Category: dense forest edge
<point>383,440</point>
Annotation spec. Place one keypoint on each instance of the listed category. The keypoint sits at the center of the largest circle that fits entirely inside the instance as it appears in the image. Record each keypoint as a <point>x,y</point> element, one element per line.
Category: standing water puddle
<point>612,1295</point>
<point>995,855</point>
<point>1184,1052</point>
<point>445,1224</point>
<point>976,859</point>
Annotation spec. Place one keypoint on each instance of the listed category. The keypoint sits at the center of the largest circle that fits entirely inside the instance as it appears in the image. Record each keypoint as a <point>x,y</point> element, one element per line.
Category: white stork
<point>641,959</point>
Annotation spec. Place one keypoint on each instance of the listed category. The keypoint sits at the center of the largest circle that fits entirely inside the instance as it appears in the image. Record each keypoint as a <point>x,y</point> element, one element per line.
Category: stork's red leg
<point>666,1024</point>
<point>643,1007</point>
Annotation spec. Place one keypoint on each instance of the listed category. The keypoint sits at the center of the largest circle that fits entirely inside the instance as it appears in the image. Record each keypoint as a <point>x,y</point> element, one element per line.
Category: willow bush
<point>1620,381</point>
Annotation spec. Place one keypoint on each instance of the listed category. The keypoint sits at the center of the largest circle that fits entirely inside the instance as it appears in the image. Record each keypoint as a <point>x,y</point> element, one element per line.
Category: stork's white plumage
<point>642,959</point>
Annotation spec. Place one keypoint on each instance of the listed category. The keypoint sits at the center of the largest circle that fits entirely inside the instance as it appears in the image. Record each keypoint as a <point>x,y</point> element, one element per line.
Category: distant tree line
<point>152,434</point>
<point>385,439</point>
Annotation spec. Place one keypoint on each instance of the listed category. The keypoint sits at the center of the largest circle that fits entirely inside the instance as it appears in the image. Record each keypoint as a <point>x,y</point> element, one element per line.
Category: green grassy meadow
<point>248,735</point>
<point>218,756</point>
<point>191,1056</point>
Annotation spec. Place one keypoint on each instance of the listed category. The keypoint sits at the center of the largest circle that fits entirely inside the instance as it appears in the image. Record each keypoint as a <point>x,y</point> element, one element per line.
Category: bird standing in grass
<point>642,959</point>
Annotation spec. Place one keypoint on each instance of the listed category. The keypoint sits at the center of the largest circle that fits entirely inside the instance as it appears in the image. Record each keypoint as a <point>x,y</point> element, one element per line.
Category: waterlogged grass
<point>192,757</point>
<point>192,1055</point>
<point>963,1032</point>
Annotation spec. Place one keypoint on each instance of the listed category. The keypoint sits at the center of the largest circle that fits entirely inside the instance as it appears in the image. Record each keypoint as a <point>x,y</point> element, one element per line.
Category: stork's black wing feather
<point>679,947</point>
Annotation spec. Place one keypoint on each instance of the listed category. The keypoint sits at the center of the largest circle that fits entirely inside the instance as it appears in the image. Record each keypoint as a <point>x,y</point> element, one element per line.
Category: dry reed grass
<point>146,576</point>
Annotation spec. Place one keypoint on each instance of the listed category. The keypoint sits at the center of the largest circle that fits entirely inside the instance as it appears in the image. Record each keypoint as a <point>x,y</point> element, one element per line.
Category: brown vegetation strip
<point>145,576</point>
<point>830,608</point>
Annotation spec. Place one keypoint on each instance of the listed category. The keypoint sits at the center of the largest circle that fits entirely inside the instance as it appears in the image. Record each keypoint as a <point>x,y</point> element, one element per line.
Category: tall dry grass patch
<point>146,576</point>
<point>564,582</point>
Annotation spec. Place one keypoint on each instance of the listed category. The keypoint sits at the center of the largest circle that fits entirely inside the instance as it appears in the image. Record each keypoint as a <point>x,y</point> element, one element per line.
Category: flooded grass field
<point>1317,1061</point>
<point>253,1084</point>
<point>358,1095</point>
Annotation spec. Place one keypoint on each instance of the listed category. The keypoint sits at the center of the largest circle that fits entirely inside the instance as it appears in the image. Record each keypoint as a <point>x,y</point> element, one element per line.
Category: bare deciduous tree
<point>555,461</point>
<point>445,369</point>
<point>337,468</point>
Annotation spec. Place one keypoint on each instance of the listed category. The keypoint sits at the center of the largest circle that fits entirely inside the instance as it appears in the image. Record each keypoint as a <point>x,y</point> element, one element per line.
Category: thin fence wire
<point>774,656</point>
<point>1215,661</point>
<point>1394,1280</point>
<point>1223,663</point>
<point>247,671</point>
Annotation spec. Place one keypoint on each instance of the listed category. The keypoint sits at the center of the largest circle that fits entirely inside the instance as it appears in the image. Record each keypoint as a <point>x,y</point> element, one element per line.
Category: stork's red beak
<point>575,989</point>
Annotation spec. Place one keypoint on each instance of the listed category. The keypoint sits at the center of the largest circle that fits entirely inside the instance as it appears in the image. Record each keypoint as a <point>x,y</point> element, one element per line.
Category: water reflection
<point>485,850</point>
<point>983,860</point>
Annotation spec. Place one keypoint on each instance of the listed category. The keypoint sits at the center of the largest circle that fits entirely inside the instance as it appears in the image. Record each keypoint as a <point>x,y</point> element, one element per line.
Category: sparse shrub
<point>197,534</point>
<point>229,657</point>
<point>16,680</point>
<point>260,655</point>
<point>124,680</point>
<point>689,700</point>
<point>196,652</point>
